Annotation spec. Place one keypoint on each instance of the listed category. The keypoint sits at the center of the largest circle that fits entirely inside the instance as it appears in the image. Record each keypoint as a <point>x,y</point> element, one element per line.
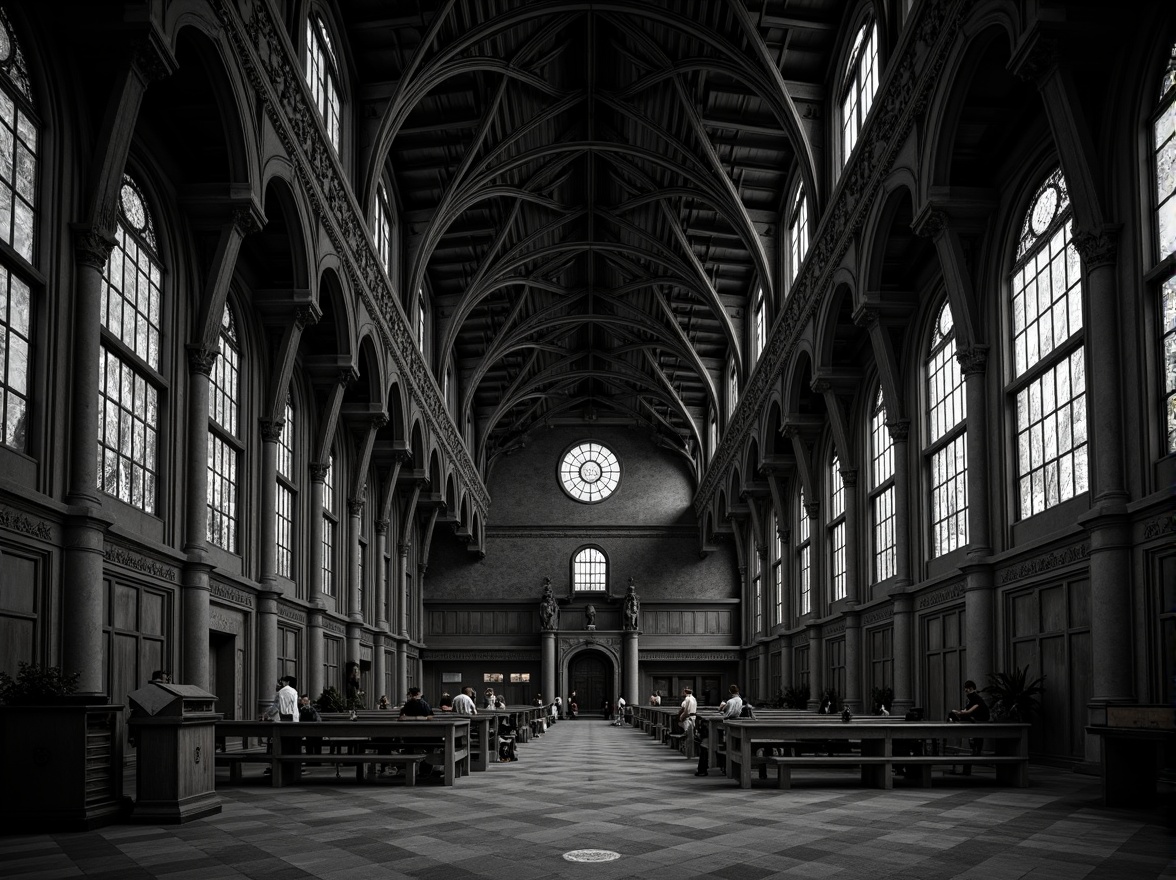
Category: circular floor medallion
<point>591,855</point>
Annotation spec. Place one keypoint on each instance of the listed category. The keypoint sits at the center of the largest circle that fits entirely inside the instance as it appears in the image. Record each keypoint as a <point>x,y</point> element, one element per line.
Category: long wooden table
<point>484,733</point>
<point>876,740</point>
<point>286,756</point>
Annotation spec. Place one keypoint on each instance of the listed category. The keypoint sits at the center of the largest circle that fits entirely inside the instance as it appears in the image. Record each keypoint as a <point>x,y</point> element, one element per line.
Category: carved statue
<point>590,615</point>
<point>632,606</point>
<point>548,610</point>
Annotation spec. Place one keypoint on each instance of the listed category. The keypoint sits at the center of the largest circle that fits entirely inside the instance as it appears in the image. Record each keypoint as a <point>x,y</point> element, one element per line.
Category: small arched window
<point>882,491</point>
<point>732,388</point>
<point>224,447</point>
<point>18,205</point>
<point>589,571</point>
<point>322,75</point>
<point>859,86</point>
<point>129,379</point>
<point>798,233</point>
<point>286,492</point>
<point>1164,146</point>
<point>946,449</point>
<point>761,323</point>
<point>803,555</point>
<point>836,527</point>
<point>383,228</point>
<point>1049,361</point>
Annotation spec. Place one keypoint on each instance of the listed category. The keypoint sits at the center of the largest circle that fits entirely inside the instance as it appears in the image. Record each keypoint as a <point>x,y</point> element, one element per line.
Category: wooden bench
<point>236,760</point>
<point>785,763</point>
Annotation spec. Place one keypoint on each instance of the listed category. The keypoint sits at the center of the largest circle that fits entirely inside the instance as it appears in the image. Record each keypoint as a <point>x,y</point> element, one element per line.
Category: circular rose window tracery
<point>589,472</point>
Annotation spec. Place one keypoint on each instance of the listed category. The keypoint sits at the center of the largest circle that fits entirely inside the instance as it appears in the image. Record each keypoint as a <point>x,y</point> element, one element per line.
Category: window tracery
<point>882,491</point>
<point>947,446</point>
<point>589,571</point>
<point>1164,159</point>
<point>224,395</point>
<point>322,75</point>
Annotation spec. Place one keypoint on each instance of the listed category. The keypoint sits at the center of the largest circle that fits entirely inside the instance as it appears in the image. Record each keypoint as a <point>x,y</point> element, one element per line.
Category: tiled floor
<point>586,785</point>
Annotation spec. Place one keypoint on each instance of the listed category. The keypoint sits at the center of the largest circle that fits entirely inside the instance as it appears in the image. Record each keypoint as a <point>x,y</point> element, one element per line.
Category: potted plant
<point>1015,698</point>
<point>330,700</point>
<point>61,750</point>
<point>795,697</point>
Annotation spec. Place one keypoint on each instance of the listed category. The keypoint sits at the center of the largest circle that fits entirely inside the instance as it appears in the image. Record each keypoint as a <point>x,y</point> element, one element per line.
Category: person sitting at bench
<point>732,708</point>
<point>975,712</point>
<point>416,709</point>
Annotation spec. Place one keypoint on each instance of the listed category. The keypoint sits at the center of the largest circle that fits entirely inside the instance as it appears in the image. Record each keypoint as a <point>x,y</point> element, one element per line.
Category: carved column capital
<point>899,429</point>
<point>866,318</point>
<point>849,477</point>
<point>379,421</point>
<point>784,533</point>
<point>304,317</point>
<point>271,429</point>
<point>149,61</point>
<point>355,506</point>
<point>382,526</point>
<point>813,509</point>
<point>92,248</point>
<point>789,431</point>
<point>931,223</point>
<point>201,360</point>
<point>318,471</point>
<point>1097,247</point>
<point>402,549</point>
<point>245,221</point>
<point>972,360</point>
<point>820,386</point>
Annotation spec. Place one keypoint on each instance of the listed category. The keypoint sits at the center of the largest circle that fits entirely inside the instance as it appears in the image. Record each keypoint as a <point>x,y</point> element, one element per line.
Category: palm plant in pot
<point>61,750</point>
<point>1014,696</point>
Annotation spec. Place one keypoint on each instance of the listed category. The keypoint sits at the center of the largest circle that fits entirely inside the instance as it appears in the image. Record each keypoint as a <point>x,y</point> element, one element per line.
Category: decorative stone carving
<point>92,248</point>
<point>245,221</point>
<point>899,429</point>
<point>318,471</point>
<point>632,611</point>
<point>849,476</point>
<point>147,61</point>
<point>813,509</point>
<point>942,595</point>
<point>128,559</point>
<point>355,505</point>
<point>201,360</point>
<point>1040,60</point>
<point>931,224</point>
<point>18,522</point>
<point>271,429</point>
<point>304,317</point>
<point>1046,562</point>
<point>1097,248</point>
<point>866,318</point>
<point>230,594</point>
<point>1164,525</point>
<point>382,526</point>
<point>972,360</point>
<point>548,610</point>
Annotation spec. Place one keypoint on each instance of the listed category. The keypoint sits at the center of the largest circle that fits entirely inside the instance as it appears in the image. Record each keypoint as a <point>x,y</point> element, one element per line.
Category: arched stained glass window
<point>946,450</point>
<point>129,380</point>
<point>223,445</point>
<point>1164,147</point>
<point>836,526</point>
<point>589,571</point>
<point>322,74</point>
<point>882,491</point>
<point>859,85</point>
<point>18,201</point>
<point>1049,362</point>
<point>589,472</point>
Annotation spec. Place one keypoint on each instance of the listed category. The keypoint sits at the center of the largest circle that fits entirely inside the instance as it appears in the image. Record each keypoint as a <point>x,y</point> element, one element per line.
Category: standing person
<point>732,708</point>
<point>463,703</point>
<point>687,711</point>
<point>285,704</point>
<point>490,701</point>
<point>573,705</point>
<point>975,712</point>
<point>620,712</point>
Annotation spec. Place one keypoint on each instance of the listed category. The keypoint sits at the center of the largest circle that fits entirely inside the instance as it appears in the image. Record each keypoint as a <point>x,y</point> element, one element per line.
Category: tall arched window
<point>803,556</point>
<point>882,491</point>
<point>798,233</point>
<point>330,520</point>
<point>858,87</point>
<point>946,447</point>
<point>224,447</point>
<point>383,228</point>
<point>18,201</point>
<point>287,490</point>
<point>1049,366</point>
<point>777,572</point>
<point>1164,146</point>
<point>322,74</point>
<point>589,571</point>
<point>732,388</point>
<point>757,587</point>
<point>129,377</point>
<point>761,323</point>
<point>836,527</point>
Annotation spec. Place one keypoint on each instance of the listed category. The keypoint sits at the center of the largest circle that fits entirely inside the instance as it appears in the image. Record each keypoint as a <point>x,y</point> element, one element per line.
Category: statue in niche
<point>548,610</point>
<point>590,616</point>
<point>632,606</point>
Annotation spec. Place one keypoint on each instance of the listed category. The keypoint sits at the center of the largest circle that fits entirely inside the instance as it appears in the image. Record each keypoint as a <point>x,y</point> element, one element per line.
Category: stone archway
<point>592,676</point>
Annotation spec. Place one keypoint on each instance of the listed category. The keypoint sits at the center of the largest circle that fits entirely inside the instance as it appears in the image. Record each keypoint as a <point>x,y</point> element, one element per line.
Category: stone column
<point>632,680</point>
<point>979,635</point>
<point>314,630</point>
<point>548,685</point>
<point>82,640</point>
<point>853,660</point>
<point>267,610</point>
<point>816,665</point>
<point>1107,522</point>
<point>418,615</point>
<point>402,623</point>
<point>899,431</point>
<point>904,696</point>
<point>849,477</point>
<point>816,558</point>
<point>379,670</point>
<point>354,578</point>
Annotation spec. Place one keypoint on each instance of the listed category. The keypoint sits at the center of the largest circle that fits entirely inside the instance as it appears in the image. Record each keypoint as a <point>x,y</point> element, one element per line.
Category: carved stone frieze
<point>877,615</point>
<point>1044,563</point>
<point>15,521</point>
<point>942,595</point>
<point>482,654</point>
<point>294,615</point>
<point>689,656</point>
<point>833,629</point>
<point>334,626</point>
<point>145,564</point>
<point>230,594</point>
<point>1156,528</point>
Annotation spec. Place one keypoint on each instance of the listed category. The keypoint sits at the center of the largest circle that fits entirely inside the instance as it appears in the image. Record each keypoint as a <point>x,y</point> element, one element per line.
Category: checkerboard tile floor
<point>586,785</point>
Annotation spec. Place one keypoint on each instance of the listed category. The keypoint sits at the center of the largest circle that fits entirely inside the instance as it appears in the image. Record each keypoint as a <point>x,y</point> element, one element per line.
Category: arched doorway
<point>590,677</point>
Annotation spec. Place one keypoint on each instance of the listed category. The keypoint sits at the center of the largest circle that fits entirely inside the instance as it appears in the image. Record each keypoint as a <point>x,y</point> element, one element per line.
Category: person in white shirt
<point>285,704</point>
<point>734,704</point>
<point>463,703</point>
<point>731,709</point>
<point>620,712</point>
<point>687,711</point>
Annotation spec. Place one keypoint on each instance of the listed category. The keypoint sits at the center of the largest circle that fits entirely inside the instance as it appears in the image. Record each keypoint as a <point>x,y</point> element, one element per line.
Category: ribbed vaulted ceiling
<point>590,192</point>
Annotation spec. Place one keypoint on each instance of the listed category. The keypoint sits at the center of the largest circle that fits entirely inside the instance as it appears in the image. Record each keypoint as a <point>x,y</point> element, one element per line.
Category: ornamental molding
<point>833,629</point>
<point>230,594</point>
<point>1044,563</point>
<point>605,642</point>
<point>271,429</point>
<point>1097,248</point>
<point>334,626</point>
<point>910,80</point>
<point>1164,525</point>
<point>265,55</point>
<point>591,531</point>
<point>482,654</point>
<point>973,359</point>
<point>294,615</point>
<point>201,360</point>
<point>877,616</point>
<point>136,561</point>
<point>92,248</point>
<point>709,656</point>
<point>19,522</point>
<point>942,596</point>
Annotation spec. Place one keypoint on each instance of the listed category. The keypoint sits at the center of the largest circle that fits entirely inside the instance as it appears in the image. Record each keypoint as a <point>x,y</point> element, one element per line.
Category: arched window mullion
<point>946,440</point>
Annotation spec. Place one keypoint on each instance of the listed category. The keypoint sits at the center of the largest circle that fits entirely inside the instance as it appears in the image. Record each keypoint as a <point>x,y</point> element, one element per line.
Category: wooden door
<point>590,675</point>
